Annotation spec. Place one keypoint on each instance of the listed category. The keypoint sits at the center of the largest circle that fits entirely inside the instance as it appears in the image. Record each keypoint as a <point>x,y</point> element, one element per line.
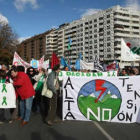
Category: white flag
<point>127,54</point>
<point>85,65</point>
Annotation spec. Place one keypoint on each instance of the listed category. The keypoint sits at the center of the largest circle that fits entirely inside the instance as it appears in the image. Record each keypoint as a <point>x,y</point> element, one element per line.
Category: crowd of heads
<point>129,71</point>
<point>126,71</point>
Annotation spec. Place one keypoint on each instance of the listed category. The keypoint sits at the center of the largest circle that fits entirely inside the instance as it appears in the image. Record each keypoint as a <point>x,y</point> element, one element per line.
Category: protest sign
<point>110,99</point>
<point>7,96</point>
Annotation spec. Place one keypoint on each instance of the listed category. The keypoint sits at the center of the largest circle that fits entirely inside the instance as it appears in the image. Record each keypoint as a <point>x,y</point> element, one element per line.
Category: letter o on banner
<point>16,63</point>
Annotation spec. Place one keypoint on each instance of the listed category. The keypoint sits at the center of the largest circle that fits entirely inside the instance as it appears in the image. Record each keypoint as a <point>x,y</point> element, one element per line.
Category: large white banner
<point>111,99</point>
<point>7,96</point>
<point>127,54</point>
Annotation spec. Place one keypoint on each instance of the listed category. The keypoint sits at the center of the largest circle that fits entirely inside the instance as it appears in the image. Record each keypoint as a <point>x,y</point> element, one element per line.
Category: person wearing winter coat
<point>26,92</point>
<point>54,87</point>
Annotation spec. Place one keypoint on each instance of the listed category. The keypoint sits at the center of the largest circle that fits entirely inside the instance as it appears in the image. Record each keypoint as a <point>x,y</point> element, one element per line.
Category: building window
<point>95,20</point>
<point>108,33</point>
<point>95,51</point>
<point>136,22</point>
<point>108,50</point>
<point>108,16</point>
<point>95,46</point>
<point>108,44</point>
<point>95,36</point>
<point>95,25</point>
<point>95,31</point>
<point>101,18</point>
<point>136,33</point>
<point>108,55</point>
<point>108,21</point>
<point>95,41</point>
<point>108,38</point>
<point>90,22</point>
<point>108,27</point>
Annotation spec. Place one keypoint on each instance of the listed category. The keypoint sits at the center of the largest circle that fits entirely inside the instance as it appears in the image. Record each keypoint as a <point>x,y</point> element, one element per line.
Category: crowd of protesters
<point>28,89</point>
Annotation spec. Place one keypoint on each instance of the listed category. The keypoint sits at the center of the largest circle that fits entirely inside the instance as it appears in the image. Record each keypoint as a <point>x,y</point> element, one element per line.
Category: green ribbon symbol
<point>4,88</point>
<point>4,101</point>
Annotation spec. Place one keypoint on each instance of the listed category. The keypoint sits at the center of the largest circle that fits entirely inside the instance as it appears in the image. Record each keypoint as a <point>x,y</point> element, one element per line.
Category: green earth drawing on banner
<point>99,100</point>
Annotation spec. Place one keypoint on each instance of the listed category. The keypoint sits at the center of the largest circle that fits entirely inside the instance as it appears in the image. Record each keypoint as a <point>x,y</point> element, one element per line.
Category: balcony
<point>135,36</point>
<point>118,46</point>
<point>134,19</point>
<point>135,24</point>
<point>101,48</point>
<point>122,17</point>
<point>101,53</point>
<point>60,51</point>
<point>135,30</point>
<point>86,55</point>
<point>122,34</point>
<point>101,42</point>
<point>122,23</point>
<point>118,52</point>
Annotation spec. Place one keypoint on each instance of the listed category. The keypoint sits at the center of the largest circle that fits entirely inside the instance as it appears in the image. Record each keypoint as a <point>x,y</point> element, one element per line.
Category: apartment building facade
<point>100,34</point>
<point>34,47</point>
<point>97,34</point>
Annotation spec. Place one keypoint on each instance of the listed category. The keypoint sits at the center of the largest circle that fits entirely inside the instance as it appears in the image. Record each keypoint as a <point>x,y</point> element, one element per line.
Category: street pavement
<point>36,129</point>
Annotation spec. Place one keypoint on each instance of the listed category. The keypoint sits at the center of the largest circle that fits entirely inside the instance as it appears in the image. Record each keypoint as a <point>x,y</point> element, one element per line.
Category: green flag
<point>69,45</point>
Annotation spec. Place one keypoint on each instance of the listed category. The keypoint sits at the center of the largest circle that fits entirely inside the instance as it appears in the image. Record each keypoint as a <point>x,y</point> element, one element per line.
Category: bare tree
<point>8,43</point>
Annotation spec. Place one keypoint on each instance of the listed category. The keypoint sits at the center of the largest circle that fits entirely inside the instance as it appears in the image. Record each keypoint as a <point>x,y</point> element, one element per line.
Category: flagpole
<point>121,54</point>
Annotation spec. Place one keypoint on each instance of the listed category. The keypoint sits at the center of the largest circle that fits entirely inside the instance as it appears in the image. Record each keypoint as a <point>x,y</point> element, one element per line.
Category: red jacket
<point>23,86</point>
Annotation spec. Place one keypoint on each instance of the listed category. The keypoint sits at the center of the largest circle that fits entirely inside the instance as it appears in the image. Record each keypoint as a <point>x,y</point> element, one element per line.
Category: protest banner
<point>45,64</point>
<point>40,62</point>
<point>82,74</point>
<point>133,44</point>
<point>127,54</point>
<point>7,96</point>
<point>110,99</point>
<point>18,61</point>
